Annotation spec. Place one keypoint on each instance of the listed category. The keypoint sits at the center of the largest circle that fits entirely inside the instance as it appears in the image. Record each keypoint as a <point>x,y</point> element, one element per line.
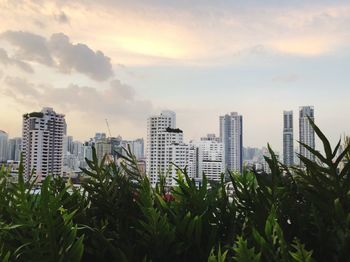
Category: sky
<point>126,60</point>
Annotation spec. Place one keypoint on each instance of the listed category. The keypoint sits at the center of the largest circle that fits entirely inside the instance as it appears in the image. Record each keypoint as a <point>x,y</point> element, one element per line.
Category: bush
<point>292,214</point>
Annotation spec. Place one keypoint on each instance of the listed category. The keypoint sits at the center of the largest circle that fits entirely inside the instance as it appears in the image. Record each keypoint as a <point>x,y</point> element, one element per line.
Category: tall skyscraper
<point>306,132</point>
<point>231,135</point>
<point>14,149</point>
<point>42,143</point>
<point>3,146</point>
<point>288,140</point>
<point>164,147</point>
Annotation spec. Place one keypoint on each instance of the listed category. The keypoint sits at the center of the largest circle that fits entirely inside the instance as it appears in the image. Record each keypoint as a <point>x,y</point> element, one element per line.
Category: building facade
<point>165,147</point>
<point>306,132</point>
<point>42,143</point>
<point>210,157</point>
<point>288,139</point>
<point>136,147</point>
<point>3,146</point>
<point>14,149</point>
<point>231,135</point>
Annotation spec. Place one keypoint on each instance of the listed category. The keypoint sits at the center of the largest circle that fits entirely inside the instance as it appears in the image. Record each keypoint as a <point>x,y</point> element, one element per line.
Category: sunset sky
<point>126,60</point>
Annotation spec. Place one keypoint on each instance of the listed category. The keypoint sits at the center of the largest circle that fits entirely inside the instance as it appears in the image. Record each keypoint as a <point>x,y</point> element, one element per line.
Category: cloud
<point>6,60</point>
<point>118,101</point>
<point>31,47</point>
<point>60,53</point>
<point>61,17</point>
<point>286,78</point>
<point>79,57</point>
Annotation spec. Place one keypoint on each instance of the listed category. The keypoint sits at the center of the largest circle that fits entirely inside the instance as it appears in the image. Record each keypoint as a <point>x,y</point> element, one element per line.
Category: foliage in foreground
<point>290,215</point>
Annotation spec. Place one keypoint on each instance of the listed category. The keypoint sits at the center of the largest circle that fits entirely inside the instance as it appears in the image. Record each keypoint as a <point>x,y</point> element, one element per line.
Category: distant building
<point>288,139</point>
<point>103,148</point>
<point>231,135</point>
<point>136,147</point>
<point>116,143</point>
<point>3,146</point>
<point>306,132</point>
<point>99,136</point>
<point>209,157</point>
<point>42,143</point>
<point>14,149</point>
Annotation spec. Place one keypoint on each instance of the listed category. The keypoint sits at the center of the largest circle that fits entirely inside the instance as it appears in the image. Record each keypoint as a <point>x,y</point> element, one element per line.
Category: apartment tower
<point>42,143</point>
<point>288,140</point>
<point>306,132</point>
<point>231,135</point>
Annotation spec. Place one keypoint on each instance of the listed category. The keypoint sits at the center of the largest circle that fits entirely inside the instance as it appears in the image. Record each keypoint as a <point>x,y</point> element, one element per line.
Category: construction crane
<point>109,130</point>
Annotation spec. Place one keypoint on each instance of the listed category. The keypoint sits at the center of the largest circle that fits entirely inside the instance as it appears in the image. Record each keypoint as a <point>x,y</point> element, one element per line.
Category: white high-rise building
<point>210,157</point>
<point>165,146</point>
<point>42,143</point>
<point>288,139</point>
<point>14,149</point>
<point>306,132</point>
<point>231,135</point>
<point>3,146</point>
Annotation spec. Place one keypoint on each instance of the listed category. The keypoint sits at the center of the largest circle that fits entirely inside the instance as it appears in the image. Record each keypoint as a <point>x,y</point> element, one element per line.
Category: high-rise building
<point>136,147</point>
<point>210,157</point>
<point>288,139</point>
<point>14,149</point>
<point>165,147</point>
<point>100,136</point>
<point>103,148</point>
<point>70,145</point>
<point>42,143</point>
<point>115,145</point>
<point>306,132</point>
<point>3,146</point>
<point>231,135</point>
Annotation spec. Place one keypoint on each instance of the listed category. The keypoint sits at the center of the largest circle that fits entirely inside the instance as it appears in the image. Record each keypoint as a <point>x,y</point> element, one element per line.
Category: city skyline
<point>200,60</point>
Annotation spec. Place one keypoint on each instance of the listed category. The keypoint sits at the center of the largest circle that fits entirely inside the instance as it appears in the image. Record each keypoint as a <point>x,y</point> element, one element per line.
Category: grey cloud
<point>124,90</point>
<point>62,18</point>
<point>80,57</point>
<point>114,101</point>
<point>21,86</point>
<point>59,52</point>
<point>6,60</point>
<point>31,47</point>
<point>286,78</point>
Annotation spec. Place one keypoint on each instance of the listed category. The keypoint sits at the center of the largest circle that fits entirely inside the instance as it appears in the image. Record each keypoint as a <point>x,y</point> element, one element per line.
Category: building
<point>103,148</point>
<point>209,157</point>
<point>3,146</point>
<point>136,147</point>
<point>42,143</point>
<point>306,132</point>
<point>231,135</point>
<point>165,147</point>
<point>99,136</point>
<point>177,156</point>
<point>14,149</point>
<point>116,143</point>
<point>288,139</point>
